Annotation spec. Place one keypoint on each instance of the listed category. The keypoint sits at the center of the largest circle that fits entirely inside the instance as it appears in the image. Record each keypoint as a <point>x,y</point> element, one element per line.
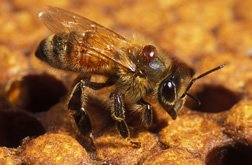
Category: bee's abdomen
<point>42,51</point>
<point>62,54</point>
<point>51,51</point>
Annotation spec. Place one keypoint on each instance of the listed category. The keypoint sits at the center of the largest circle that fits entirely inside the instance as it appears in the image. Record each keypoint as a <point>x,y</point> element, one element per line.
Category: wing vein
<point>99,41</point>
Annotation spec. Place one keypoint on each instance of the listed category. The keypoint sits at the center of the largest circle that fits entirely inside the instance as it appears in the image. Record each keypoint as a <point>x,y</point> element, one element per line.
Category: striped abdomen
<point>62,54</point>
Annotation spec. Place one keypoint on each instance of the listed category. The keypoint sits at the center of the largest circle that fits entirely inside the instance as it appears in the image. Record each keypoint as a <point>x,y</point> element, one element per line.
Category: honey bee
<point>135,68</point>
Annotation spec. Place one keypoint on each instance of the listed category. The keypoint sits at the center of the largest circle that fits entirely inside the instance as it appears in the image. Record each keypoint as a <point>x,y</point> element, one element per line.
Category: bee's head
<point>173,89</point>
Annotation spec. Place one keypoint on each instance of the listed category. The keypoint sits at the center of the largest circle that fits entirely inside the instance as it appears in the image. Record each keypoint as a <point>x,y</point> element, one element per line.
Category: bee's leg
<point>77,103</point>
<point>147,113</point>
<point>118,114</point>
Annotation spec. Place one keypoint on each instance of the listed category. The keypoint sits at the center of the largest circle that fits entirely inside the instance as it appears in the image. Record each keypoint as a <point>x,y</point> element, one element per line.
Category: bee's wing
<point>92,36</point>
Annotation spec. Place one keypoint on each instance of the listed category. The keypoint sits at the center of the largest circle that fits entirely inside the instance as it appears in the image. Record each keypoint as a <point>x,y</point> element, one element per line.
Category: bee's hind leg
<point>77,103</point>
<point>118,114</point>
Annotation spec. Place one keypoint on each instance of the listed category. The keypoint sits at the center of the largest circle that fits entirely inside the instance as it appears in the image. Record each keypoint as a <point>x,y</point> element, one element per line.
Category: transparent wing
<point>88,34</point>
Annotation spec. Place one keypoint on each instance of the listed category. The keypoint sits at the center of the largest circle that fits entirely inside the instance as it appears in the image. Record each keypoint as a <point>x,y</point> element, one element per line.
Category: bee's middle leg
<point>118,114</point>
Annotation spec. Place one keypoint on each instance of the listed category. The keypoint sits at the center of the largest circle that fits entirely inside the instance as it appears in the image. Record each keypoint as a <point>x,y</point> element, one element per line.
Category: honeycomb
<point>36,128</point>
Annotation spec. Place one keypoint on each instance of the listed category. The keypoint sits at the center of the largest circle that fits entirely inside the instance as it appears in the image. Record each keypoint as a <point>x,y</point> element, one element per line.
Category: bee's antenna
<point>194,98</point>
<point>196,78</point>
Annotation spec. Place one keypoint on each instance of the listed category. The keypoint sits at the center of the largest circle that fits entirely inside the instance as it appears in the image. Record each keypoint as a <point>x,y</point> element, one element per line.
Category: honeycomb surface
<point>36,128</point>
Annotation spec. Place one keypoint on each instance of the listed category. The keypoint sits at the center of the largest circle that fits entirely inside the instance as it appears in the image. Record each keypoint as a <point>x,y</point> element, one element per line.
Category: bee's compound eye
<point>169,91</point>
<point>149,52</point>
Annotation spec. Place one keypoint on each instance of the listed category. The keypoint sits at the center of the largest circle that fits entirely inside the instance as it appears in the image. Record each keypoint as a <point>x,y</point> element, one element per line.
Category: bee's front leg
<point>147,113</point>
<point>77,104</point>
<point>118,114</point>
